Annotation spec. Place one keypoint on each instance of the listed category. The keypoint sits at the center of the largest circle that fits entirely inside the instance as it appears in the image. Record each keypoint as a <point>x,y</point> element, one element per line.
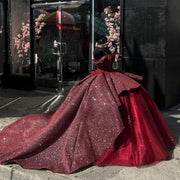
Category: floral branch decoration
<point>112,21</point>
<point>22,41</point>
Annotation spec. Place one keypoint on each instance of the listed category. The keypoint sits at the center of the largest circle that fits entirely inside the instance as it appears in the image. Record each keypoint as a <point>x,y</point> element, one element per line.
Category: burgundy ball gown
<point>107,118</point>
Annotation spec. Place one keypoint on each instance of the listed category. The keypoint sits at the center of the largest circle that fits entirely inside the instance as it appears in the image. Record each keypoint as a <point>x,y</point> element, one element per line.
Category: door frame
<point>4,36</point>
<point>62,5</point>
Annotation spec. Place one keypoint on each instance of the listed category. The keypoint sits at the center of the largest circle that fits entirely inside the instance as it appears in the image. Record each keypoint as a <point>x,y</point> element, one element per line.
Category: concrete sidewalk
<point>15,103</point>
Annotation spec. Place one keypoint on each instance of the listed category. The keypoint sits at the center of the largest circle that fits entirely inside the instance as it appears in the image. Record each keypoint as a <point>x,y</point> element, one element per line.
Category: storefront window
<point>19,16</point>
<point>88,27</point>
<point>61,46</point>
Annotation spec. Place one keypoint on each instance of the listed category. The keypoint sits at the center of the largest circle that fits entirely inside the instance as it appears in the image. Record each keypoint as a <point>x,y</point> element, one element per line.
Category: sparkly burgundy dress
<point>106,119</point>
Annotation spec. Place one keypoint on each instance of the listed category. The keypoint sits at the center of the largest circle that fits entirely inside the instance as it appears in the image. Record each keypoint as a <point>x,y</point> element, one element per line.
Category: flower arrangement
<point>112,21</point>
<point>39,24</point>
<point>22,41</point>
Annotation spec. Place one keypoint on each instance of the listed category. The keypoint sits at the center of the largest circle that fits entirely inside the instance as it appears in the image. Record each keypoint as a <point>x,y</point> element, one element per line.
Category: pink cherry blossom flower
<point>112,21</point>
<point>22,41</point>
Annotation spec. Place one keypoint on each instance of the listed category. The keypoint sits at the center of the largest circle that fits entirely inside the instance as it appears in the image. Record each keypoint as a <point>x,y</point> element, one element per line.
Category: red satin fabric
<point>106,119</point>
<point>146,138</point>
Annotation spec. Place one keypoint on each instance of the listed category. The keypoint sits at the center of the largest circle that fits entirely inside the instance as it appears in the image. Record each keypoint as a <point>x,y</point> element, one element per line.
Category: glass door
<point>61,42</point>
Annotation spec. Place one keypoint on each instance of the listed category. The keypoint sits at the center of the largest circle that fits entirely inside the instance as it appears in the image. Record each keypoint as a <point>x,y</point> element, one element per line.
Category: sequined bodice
<point>105,63</point>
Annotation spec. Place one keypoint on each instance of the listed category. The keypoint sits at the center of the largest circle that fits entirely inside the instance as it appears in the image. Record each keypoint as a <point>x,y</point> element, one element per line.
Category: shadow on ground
<point>172,117</point>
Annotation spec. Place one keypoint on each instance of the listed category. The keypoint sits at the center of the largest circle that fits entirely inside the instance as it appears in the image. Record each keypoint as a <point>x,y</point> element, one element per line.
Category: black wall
<point>173,52</point>
<point>147,46</point>
<point>2,34</point>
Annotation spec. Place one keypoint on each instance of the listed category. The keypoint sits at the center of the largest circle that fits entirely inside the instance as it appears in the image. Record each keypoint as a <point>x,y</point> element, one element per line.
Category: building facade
<point>151,46</point>
<point>47,42</point>
<point>34,27</point>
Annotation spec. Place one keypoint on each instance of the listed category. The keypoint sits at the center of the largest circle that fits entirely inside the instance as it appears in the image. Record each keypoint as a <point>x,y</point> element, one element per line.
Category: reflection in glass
<point>69,28</point>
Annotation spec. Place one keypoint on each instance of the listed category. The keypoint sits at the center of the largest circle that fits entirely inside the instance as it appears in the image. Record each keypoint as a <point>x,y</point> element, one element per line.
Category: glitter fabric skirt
<point>106,119</point>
